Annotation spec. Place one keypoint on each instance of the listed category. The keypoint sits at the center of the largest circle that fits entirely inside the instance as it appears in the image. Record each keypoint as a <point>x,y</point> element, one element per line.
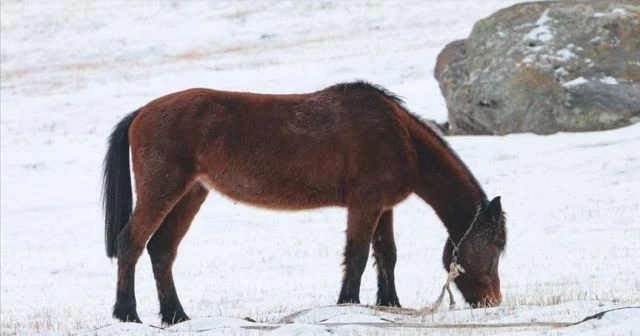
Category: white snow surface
<point>615,13</point>
<point>565,54</point>
<point>71,69</point>
<point>542,30</point>
<point>575,82</point>
<point>609,80</point>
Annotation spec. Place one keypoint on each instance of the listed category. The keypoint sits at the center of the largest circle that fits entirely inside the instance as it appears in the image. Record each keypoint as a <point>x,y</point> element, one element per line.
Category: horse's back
<point>281,151</point>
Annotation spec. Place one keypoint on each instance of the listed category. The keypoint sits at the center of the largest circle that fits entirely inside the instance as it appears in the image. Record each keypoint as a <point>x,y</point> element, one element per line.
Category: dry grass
<point>188,56</point>
<point>44,324</point>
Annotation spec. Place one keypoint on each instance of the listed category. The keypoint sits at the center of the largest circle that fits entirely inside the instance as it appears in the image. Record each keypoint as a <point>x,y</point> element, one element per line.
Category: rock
<point>545,67</point>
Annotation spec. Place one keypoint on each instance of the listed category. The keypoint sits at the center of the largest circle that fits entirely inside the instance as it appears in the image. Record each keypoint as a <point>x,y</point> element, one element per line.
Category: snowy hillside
<point>70,70</point>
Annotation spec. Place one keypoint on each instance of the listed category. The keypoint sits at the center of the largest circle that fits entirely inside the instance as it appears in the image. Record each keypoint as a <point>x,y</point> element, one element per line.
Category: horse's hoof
<point>127,317</point>
<point>388,303</point>
<point>348,301</point>
<point>125,308</point>
<point>174,318</point>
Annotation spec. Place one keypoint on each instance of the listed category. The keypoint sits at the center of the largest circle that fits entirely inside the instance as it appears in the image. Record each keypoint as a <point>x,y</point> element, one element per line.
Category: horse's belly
<point>270,192</point>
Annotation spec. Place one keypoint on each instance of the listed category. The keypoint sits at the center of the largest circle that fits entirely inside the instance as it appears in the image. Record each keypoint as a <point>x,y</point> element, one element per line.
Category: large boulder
<point>545,67</point>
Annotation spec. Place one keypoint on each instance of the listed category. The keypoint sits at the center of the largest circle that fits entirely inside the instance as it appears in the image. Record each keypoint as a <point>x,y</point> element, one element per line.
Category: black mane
<point>439,129</point>
<point>364,85</point>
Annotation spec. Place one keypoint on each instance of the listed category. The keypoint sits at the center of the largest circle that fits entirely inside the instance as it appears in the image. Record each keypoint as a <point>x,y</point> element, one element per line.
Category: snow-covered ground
<point>71,69</point>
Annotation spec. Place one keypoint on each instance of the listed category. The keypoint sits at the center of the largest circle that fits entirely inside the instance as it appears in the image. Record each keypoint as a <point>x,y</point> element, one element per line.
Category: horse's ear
<point>494,209</point>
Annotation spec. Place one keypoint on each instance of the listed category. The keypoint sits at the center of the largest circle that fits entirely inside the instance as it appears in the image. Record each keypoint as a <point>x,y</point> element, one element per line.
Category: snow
<point>71,69</point>
<point>575,82</point>
<point>615,13</point>
<point>564,54</point>
<point>542,31</point>
<point>609,80</point>
<point>560,72</point>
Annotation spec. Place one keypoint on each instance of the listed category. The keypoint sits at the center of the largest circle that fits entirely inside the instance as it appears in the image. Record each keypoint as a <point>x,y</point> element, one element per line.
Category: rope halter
<point>455,269</point>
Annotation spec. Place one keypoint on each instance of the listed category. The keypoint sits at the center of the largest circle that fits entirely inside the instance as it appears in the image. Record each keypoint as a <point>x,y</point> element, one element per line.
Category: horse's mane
<point>367,86</point>
<point>440,137</point>
<point>399,100</point>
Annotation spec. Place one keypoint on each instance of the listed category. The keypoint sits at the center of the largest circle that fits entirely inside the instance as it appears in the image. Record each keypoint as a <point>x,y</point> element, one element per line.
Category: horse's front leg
<point>384,252</point>
<point>360,224</point>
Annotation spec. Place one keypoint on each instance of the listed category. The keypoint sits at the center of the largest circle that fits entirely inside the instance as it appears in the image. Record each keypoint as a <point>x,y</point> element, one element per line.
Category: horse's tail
<point>117,198</point>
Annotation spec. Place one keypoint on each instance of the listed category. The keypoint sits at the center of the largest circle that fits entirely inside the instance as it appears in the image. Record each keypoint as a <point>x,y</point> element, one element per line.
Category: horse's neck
<point>444,182</point>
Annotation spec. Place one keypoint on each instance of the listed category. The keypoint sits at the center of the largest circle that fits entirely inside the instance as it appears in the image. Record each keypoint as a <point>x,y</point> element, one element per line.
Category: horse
<point>353,145</point>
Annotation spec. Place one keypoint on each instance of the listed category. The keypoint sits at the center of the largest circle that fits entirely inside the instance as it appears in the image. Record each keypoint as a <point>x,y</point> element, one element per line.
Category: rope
<point>392,324</point>
<point>455,270</point>
<point>551,324</point>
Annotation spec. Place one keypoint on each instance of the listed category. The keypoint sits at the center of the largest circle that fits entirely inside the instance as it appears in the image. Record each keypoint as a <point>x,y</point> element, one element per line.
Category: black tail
<point>117,198</point>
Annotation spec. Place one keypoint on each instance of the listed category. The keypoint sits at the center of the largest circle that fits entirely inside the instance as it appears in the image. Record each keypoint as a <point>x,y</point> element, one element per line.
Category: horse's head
<point>479,255</point>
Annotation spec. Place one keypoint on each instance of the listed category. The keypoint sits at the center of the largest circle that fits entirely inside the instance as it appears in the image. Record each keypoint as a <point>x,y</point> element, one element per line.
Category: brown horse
<point>352,145</point>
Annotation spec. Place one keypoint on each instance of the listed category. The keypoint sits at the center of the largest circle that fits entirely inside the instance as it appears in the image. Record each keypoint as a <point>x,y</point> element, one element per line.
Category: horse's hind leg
<point>360,224</point>
<point>157,195</point>
<point>163,247</point>
<point>384,252</point>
